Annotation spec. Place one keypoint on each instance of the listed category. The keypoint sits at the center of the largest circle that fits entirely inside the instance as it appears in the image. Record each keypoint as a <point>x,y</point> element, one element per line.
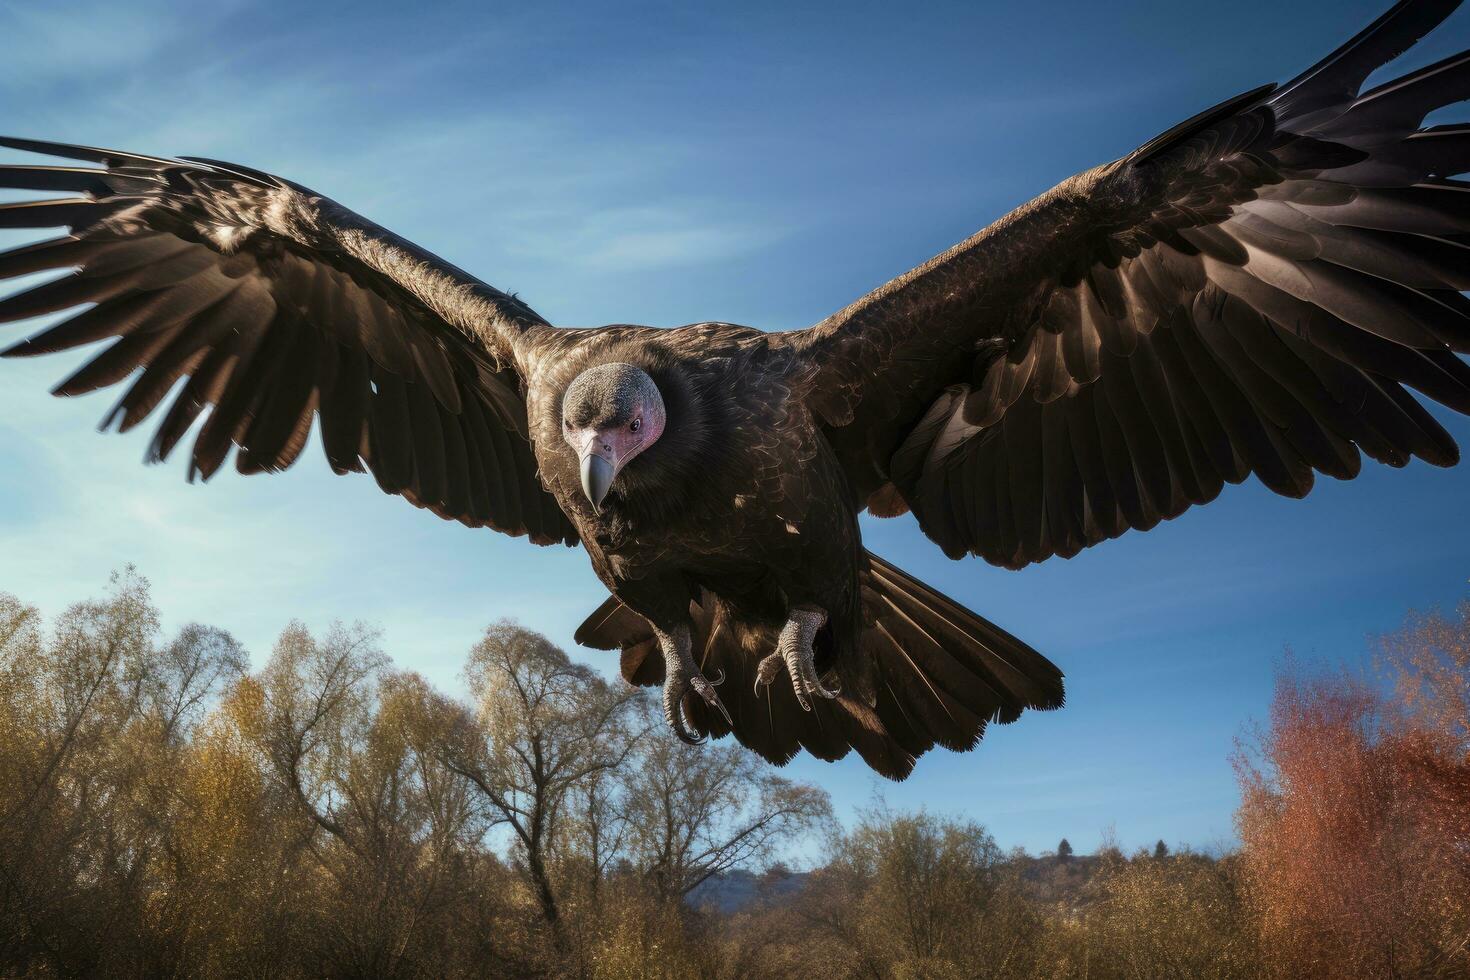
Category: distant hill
<point>732,892</point>
<point>1061,884</point>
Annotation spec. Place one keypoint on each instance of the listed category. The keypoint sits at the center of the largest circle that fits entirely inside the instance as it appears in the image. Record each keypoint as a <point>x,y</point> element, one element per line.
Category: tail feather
<point>936,672</point>
<point>1023,677</point>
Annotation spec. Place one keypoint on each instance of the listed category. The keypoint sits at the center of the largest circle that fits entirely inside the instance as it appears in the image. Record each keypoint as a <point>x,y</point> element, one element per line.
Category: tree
<point>698,811</point>
<point>1161,851</point>
<point>1064,851</point>
<point>1109,849</point>
<point>95,726</point>
<point>354,748</point>
<point>919,895</point>
<point>1428,664</point>
<point>1144,918</point>
<point>318,700</point>
<point>1374,789</point>
<point>164,813</point>
<point>543,731</point>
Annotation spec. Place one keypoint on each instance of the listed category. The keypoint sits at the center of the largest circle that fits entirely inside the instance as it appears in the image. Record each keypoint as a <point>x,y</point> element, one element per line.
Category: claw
<point>766,671</point>
<point>675,687</point>
<point>676,722</point>
<point>815,686</point>
<point>794,653</point>
<point>724,713</point>
<point>705,688</point>
<point>681,677</point>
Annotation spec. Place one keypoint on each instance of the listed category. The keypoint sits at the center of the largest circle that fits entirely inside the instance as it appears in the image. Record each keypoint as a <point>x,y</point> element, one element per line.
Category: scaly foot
<point>682,675</point>
<point>794,652</point>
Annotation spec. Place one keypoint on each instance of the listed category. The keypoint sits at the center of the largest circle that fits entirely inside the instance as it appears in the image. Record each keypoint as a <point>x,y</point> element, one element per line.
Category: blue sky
<point>765,164</point>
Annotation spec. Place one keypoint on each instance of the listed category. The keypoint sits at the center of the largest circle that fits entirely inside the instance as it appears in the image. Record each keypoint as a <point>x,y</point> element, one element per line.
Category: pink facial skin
<point>614,446</point>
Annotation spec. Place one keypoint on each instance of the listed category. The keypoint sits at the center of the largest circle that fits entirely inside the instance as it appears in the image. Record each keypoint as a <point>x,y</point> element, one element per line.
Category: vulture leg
<point>681,675</point>
<point>794,652</point>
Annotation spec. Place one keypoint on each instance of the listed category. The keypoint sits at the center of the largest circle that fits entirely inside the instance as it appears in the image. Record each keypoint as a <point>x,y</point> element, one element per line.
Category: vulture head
<point>610,413</point>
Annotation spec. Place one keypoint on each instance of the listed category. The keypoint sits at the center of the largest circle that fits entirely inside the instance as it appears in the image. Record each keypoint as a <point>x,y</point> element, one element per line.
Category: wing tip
<point>77,151</point>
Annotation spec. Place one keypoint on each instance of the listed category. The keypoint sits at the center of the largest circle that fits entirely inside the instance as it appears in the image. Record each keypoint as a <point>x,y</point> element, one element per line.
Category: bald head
<point>608,394</point>
<point>610,413</point>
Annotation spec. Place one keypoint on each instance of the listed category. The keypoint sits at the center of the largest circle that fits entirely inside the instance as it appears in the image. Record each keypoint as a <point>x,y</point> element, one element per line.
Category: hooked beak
<point>597,477</point>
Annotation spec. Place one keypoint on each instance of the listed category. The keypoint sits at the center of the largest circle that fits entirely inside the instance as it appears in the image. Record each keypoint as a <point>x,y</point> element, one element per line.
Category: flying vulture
<point>1253,292</point>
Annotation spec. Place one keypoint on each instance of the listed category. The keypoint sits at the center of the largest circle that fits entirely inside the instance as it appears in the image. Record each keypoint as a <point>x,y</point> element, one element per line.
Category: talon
<point>676,686</point>
<point>794,652</point>
<point>793,663</point>
<point>815,686</point>
<point>681,675</point>
<point>720,705</point>
<point>684,735</point>
<point>705,688</point>
<point>766,671</point>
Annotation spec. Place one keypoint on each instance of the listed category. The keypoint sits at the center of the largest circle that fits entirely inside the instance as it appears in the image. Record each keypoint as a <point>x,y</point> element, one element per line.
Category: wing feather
<point>278,307</point>
<point>1250,292</point>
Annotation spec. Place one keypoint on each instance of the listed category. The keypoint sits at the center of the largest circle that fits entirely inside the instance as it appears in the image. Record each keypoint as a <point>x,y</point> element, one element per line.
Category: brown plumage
<point>1252,292</point>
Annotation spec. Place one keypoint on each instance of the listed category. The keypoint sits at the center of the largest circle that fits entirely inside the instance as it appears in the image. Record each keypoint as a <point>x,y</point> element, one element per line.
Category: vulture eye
<point>635,425</point>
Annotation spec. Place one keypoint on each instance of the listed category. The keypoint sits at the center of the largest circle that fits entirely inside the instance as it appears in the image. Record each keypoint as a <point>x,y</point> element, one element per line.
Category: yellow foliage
<point>165,812</point>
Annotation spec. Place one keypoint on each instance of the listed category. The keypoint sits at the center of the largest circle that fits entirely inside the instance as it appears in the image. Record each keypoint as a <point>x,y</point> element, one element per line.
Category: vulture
<point>1268,289</point>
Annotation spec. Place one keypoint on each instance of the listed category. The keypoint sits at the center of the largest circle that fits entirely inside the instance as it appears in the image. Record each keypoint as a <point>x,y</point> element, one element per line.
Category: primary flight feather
<point>1252,292</point>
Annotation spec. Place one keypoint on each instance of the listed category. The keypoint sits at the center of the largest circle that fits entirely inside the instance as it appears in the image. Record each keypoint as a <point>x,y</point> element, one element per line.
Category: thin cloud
<point>75,42</point>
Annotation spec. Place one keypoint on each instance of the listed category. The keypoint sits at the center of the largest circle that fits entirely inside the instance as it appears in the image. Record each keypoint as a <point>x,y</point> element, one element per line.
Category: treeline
<point>165,811</point>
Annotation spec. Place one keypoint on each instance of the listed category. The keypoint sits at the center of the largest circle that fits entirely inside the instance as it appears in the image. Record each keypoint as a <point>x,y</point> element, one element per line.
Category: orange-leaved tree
<point>1355,813</point>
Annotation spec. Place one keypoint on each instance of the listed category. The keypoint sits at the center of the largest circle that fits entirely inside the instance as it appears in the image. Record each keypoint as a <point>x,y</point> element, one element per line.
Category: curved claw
<point>815,686</point>
<point>674,692</point>
<point>724,713</point>
<point>676,687</point>
<point>796,669</point>
<point>684,735</point>
<point>705,688</point>
<point>766,671</point>
<point>681,676</point>
<point>804,679</point>
<point>794,652</point>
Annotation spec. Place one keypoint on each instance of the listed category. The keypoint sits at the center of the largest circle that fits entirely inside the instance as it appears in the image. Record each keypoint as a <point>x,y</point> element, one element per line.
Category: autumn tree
<point>1143,918</point>
<point>355,749</point>
<point>1428,664</point>
<point>916,894</point>
<point>1355,811</point>
<point>165,812</point>
<point>95,723</point>
<point>543,734</point>
<point>696,811</point>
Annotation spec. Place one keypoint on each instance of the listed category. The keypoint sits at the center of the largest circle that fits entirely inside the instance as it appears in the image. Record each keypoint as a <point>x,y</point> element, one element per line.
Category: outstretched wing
<point>1248,293</point>
<point>277,306</point>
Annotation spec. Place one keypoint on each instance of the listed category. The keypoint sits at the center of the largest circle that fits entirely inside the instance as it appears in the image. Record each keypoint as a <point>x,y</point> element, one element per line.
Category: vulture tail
<point>932,672</point>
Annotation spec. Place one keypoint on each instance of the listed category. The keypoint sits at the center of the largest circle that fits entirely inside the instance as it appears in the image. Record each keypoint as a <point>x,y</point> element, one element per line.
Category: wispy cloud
<point>647,237</point>
<point>71,43</point>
